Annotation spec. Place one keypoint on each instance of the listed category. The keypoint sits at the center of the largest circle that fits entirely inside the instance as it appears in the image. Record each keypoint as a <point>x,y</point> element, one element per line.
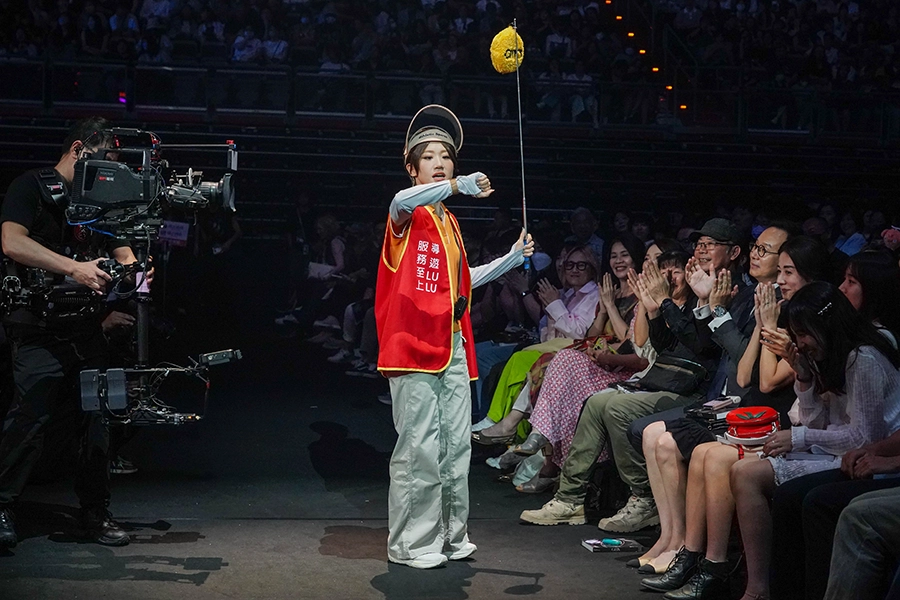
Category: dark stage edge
<point>282,493</point>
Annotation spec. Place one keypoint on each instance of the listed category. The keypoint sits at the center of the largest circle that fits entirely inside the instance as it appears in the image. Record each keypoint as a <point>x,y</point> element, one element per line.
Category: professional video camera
<point>121,190</point>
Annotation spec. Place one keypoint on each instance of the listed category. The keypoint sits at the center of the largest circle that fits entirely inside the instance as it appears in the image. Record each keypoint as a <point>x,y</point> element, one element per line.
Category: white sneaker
<point>465,552</point>
<point>634,516</point>
<point>554,513</point>
<point>340,356</point>
<point>288,319</point>
<point>329,322</point>
<point>426,561</point>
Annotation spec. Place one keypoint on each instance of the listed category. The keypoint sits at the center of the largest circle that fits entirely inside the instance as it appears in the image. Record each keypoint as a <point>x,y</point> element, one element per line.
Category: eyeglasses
<point>709,245</point>
<point>761,251</point>
<point>575,266</point>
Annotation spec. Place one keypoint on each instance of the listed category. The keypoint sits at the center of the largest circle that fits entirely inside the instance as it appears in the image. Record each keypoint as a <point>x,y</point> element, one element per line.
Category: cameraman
<point>48,357</point>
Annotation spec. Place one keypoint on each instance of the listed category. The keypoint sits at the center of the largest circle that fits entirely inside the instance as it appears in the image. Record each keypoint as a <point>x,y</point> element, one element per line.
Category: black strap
<point>53,188</point>
<point>462,302</point>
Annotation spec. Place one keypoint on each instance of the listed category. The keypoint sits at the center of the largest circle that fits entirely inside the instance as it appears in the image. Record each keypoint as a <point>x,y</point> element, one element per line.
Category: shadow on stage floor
<point>281,492</point>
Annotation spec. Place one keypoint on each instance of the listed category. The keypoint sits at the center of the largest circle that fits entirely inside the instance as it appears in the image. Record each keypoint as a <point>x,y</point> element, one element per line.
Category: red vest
<point>414,301</point>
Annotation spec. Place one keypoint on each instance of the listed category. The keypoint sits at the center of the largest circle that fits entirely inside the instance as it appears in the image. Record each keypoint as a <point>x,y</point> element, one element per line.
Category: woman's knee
<point>698,456</point>
<point>719,459</point>
<point>749,476</point>
<point>651,435</point>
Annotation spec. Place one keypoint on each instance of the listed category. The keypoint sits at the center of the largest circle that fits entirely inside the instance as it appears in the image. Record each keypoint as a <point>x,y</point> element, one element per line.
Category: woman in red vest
<point>426,345</point>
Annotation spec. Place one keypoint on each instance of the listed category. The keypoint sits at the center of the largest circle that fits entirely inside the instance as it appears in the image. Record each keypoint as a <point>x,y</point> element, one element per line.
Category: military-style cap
<point>433,123</point>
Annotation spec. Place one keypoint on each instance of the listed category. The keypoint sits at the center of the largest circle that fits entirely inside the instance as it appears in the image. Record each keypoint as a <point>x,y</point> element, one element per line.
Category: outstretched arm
<point>408,200</point>
<point>516,256</point>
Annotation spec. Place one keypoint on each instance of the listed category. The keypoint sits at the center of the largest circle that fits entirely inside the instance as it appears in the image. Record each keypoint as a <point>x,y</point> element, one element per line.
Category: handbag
<point>751,425</point>
<point>711,415</point>
<point>672,374</point>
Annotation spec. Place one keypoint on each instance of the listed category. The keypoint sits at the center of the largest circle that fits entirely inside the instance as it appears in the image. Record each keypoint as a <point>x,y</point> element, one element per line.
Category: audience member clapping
<point>849,391</point>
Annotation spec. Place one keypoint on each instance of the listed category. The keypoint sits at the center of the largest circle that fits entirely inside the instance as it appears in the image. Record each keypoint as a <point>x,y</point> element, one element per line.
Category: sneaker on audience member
<point>635,515</point>
<point>320,338</point>
<point>329,322</point>
<point>288,319</point>
<point>8,537</point>
<point>342,355</point>
<point>334,344</point>
<point>122,466</point>
<point>361,368</point>
<point>554,513</point>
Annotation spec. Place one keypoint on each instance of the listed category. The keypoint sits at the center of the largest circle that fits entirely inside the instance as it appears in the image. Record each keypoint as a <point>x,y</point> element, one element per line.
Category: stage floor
<point>281,492</point>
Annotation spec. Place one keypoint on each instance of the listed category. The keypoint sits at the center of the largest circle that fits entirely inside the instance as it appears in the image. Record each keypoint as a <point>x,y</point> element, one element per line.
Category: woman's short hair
<point>673,258</point>
<point>667,245</point>
<point>822,311</point>
<point>810,258</point>
<point>589,258</point>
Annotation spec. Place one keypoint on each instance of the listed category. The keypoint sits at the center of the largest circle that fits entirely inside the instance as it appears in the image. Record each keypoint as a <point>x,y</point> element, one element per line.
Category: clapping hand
<point>777,341</point>
<point>608,293</point>
<point>700,280</point>
<point>766,307</point>
<point>640,289</point>
<point>657,285</point>
<point>546,292</point>
<point>799,363</point>
<point>722,290</point>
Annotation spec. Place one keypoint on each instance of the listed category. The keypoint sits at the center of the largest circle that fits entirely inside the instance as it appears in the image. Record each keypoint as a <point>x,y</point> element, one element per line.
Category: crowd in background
<point>791,47</point>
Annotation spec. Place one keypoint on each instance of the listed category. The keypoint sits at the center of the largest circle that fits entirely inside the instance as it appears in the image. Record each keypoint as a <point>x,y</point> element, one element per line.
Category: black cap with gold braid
<point>433,123</point>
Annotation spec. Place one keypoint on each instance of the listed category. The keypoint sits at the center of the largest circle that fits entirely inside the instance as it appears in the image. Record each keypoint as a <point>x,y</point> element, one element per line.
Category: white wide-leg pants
<point>428,502</point>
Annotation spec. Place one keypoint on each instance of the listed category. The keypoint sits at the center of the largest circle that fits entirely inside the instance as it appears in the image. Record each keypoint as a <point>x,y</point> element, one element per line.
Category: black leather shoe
<point>8,538</point>
<point>100,527</point>
<point>679,572</point>
<point>710,581</point>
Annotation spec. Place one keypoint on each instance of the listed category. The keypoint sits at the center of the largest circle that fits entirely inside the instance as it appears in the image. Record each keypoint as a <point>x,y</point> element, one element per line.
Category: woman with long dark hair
<point>872,284</point>
<point>848,386</point>
<point>801,260</point>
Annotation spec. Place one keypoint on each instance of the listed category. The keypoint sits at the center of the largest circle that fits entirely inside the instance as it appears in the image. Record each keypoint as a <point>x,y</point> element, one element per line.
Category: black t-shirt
<point>26,205</point>
<point>46,222</point>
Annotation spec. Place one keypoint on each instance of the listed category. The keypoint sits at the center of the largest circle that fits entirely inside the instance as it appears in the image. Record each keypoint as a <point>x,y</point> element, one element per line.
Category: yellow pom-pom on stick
<point>507,51</point>
<point>507,54</point>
